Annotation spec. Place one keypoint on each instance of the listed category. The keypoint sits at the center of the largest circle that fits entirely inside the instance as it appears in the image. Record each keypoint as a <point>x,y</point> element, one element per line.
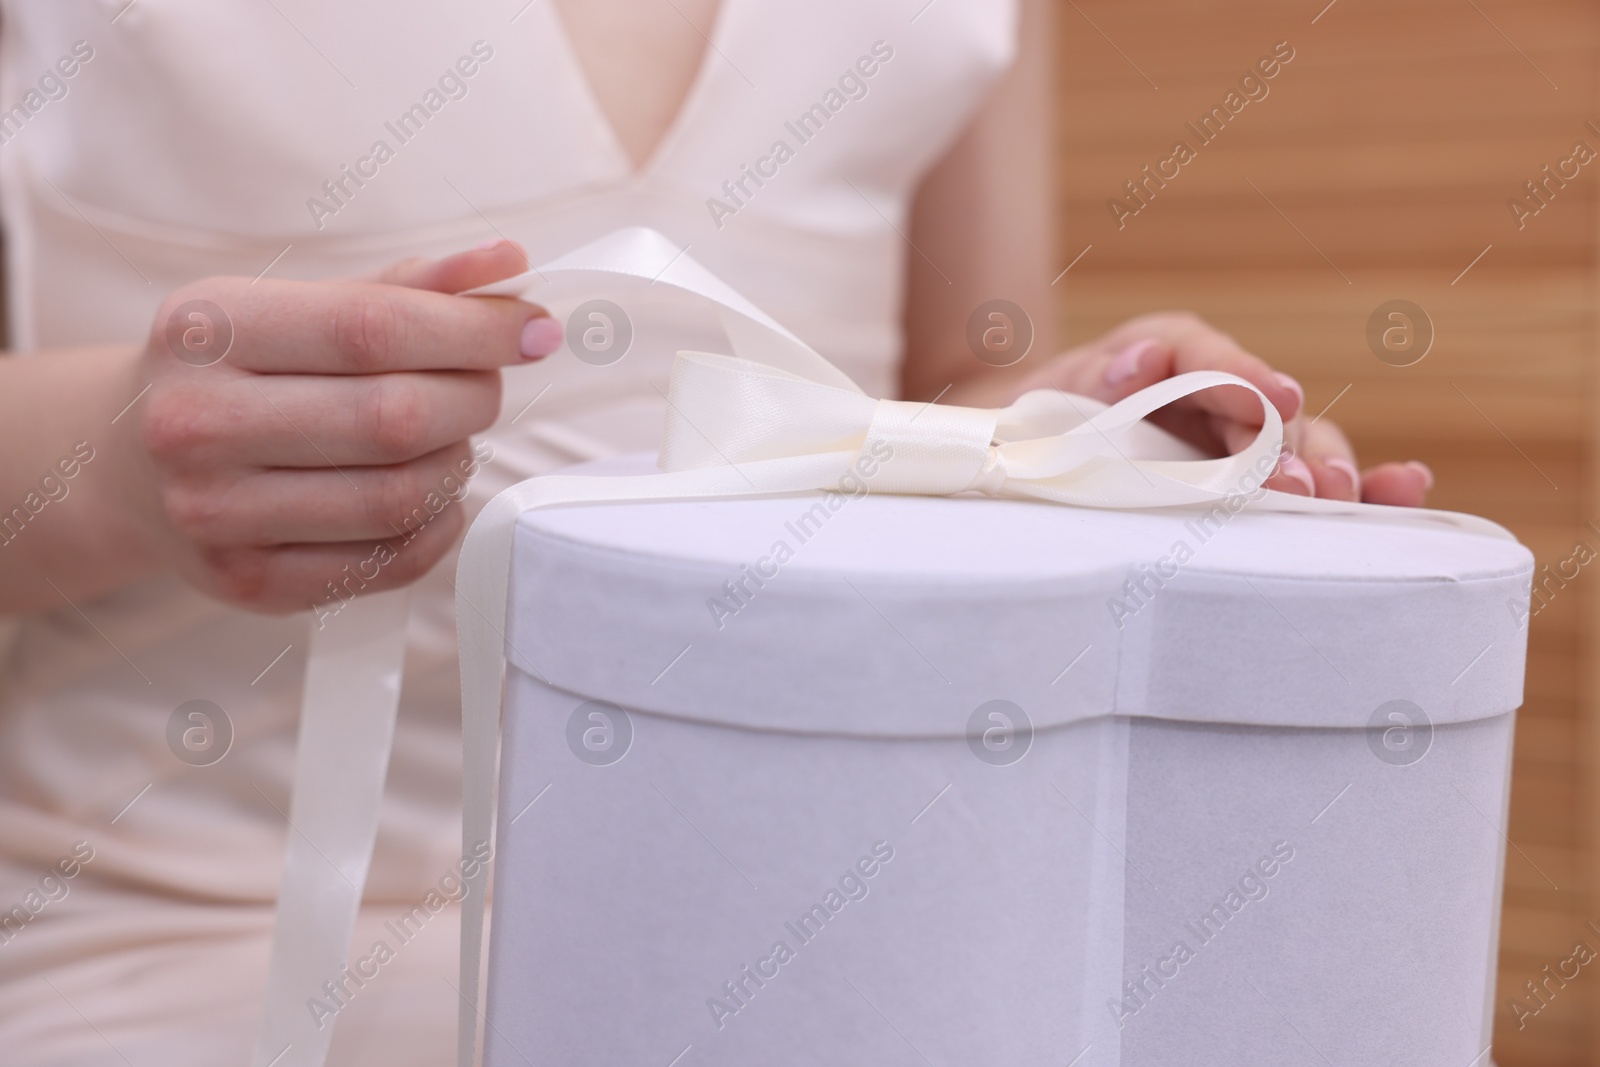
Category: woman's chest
<point>303,121</point>
<point>640,58</point>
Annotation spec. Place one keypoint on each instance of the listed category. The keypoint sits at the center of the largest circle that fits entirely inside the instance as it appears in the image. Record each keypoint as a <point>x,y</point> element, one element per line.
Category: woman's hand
<point>337,410</point>
<point>1318,459</point>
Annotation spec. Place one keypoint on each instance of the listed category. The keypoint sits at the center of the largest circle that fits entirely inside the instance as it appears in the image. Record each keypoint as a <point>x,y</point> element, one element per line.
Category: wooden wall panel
<point>1378,167</point>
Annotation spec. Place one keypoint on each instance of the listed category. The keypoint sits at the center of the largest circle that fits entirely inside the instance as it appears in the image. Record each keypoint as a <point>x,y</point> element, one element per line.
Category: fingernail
<point>1427,474</point>
<point>1293,387</point>
<point>1125,364</point>
<point>1294,467</point>
<point>496,242</point>
<point>1348,469</point>
<point>541,336</point>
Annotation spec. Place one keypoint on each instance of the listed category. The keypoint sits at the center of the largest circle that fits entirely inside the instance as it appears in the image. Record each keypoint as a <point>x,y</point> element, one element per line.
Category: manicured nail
<point>1125,364</point>
<point>497,242</point>
<point>1293,387</point>
<point>1348,469</point>
<point>541,336</point>
<point>1427,474</point>
<point>1294,467</point>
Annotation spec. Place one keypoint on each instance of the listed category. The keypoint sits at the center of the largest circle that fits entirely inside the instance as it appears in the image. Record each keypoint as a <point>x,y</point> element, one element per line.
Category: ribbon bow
<point>775,418</point>
<point>766,426</point>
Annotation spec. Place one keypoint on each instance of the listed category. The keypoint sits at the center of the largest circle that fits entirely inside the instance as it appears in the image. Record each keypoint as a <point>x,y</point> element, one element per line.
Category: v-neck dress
<point>152,143</point>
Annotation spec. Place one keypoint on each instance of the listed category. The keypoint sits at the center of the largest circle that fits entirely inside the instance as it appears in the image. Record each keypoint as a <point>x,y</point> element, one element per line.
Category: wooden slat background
<point>1392,141</point>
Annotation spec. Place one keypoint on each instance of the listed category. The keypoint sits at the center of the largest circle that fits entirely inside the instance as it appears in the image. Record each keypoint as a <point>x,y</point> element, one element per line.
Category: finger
<point>1336,479</point>
<point>1293,476</point>
<point>1290,476</point>
<point>1332,461</point>
<point>1403,485</point>
<point>1294,432</point>
<point>1123,370</point>
<point>278,507</point>
<point>323,577</point>
<point>490,262</point>
<point>1216,434</point>
<point>1200,430</point>
<point>296,327</point>
<point>1231,435</point>
<point>291,420</point>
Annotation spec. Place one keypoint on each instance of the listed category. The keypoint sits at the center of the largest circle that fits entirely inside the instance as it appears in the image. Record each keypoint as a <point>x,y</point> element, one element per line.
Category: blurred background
<point>1380,167</point>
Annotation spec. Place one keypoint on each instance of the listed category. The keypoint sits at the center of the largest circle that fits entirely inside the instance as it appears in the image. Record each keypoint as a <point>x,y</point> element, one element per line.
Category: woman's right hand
<point>337,409</point>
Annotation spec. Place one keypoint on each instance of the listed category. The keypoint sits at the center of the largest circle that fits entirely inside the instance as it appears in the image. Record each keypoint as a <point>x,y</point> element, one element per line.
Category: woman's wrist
<point>76,515</point>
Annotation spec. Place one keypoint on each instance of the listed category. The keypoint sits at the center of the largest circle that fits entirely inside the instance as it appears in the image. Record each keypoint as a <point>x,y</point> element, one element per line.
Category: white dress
<point>194,138</point>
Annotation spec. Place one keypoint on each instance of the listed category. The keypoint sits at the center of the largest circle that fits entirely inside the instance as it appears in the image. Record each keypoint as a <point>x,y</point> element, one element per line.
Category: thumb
<point>456,273</point>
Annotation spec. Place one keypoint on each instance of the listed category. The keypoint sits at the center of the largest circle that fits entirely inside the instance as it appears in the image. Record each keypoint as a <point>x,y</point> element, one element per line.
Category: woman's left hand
<point>1317,460</point>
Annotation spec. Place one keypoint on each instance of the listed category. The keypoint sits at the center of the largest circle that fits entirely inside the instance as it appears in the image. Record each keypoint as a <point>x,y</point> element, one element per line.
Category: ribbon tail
<point>480,617</point>
<point>481,597</point>
<point>352,692</point>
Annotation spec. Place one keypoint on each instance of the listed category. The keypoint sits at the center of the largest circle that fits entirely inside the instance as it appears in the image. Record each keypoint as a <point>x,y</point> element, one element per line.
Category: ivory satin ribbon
<point>773,418</point>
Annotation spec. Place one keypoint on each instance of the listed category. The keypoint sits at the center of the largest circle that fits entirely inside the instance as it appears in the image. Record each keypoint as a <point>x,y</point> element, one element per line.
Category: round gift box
<point>831,778</point>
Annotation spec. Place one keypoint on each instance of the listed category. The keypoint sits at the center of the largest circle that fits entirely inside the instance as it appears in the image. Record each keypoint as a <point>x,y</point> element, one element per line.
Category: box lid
<point>901,615</point>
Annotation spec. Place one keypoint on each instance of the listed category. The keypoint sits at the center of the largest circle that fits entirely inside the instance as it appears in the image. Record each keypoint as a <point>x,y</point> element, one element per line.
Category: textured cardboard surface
<point>1033,906</point>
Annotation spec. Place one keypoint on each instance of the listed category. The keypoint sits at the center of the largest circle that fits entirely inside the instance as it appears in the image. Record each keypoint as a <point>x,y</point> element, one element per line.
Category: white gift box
<point>817,779</point>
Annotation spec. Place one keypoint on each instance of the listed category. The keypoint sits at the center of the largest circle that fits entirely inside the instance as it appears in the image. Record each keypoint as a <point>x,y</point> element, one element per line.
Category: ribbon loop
<point>932,449</point>
<point>724,410</point>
